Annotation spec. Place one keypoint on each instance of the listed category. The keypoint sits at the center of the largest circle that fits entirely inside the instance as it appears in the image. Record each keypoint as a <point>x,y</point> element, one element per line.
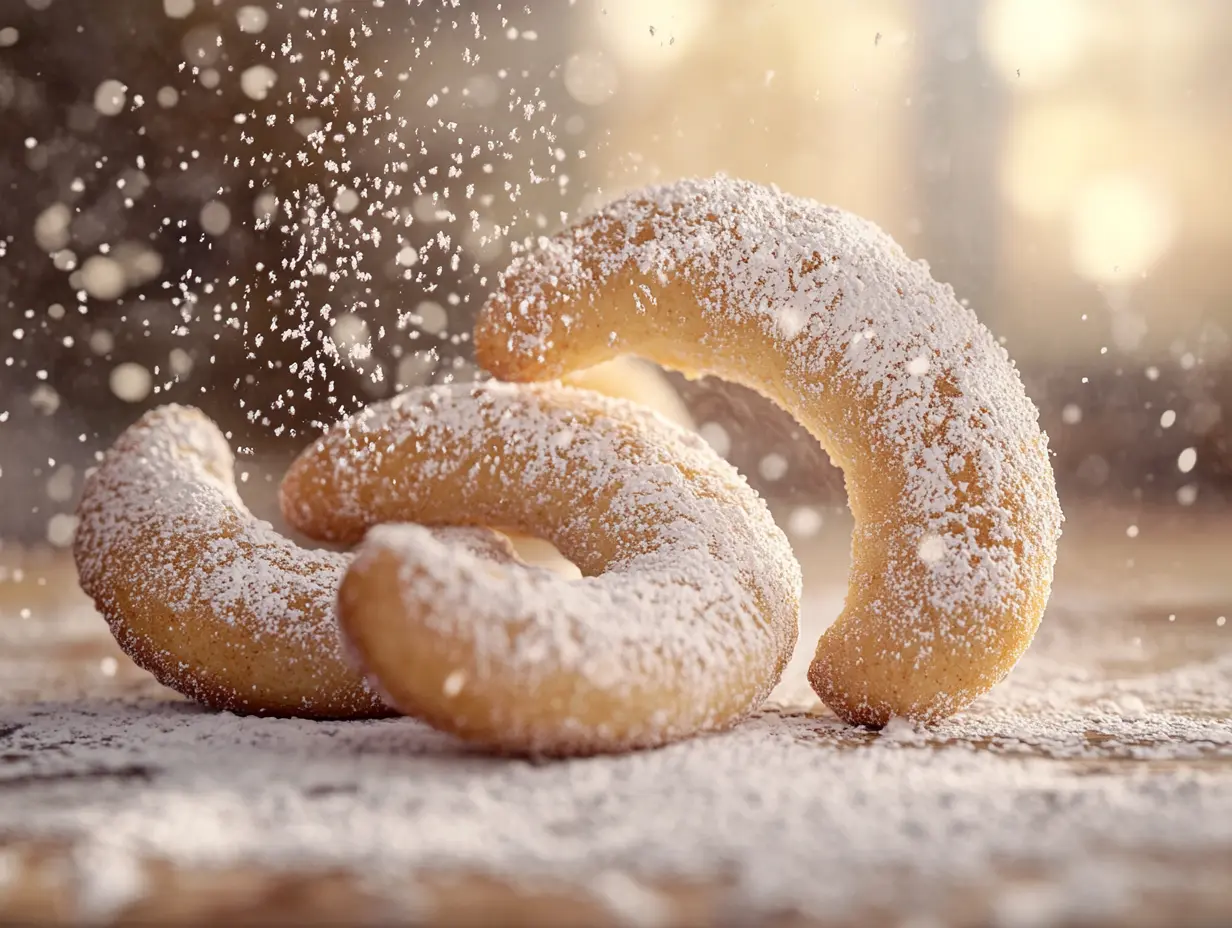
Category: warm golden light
<point>1051,148</point>
<point>1120,225</point>
<point>652,34</point>
<point>1034,43</point>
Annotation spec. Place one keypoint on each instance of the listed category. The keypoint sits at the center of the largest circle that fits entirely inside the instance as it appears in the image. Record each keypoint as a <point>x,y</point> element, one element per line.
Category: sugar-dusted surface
<point>208,598</point>
<point>947,470</point>
<point>682,621</point>
<point>1093,787</point>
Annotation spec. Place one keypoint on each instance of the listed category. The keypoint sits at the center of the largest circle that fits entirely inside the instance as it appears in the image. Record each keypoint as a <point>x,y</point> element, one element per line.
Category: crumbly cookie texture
<point>686,613</point>
<point>948,477</point>
<point>212,601</point>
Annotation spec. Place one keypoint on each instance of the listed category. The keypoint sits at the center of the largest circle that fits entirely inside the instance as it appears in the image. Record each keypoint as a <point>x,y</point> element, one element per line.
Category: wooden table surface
<point>1127,614</point>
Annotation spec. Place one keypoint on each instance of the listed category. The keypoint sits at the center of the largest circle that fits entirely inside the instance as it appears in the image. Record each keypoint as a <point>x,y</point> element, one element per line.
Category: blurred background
<point>282,211</point>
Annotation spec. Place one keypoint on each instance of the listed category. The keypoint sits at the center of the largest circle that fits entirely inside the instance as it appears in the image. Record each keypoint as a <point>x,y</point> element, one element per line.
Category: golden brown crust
<point>683,622</point>
<point>947,471</point>
<point>212,602</point>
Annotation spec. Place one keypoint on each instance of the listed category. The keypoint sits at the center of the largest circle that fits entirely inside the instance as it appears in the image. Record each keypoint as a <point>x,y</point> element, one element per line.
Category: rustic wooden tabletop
<point>1093,787</point>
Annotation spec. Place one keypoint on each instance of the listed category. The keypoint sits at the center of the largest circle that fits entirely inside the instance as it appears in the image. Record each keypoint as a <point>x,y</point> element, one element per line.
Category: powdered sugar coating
<point>212,601</point>
<point>823,312</point>
<point>1044,780</point>
<point>682,622</point>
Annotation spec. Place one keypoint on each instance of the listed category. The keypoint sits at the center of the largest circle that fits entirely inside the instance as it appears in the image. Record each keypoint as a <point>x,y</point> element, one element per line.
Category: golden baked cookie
<point>212,601</point>
<point>948,477</point>
<point>683,620</point>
